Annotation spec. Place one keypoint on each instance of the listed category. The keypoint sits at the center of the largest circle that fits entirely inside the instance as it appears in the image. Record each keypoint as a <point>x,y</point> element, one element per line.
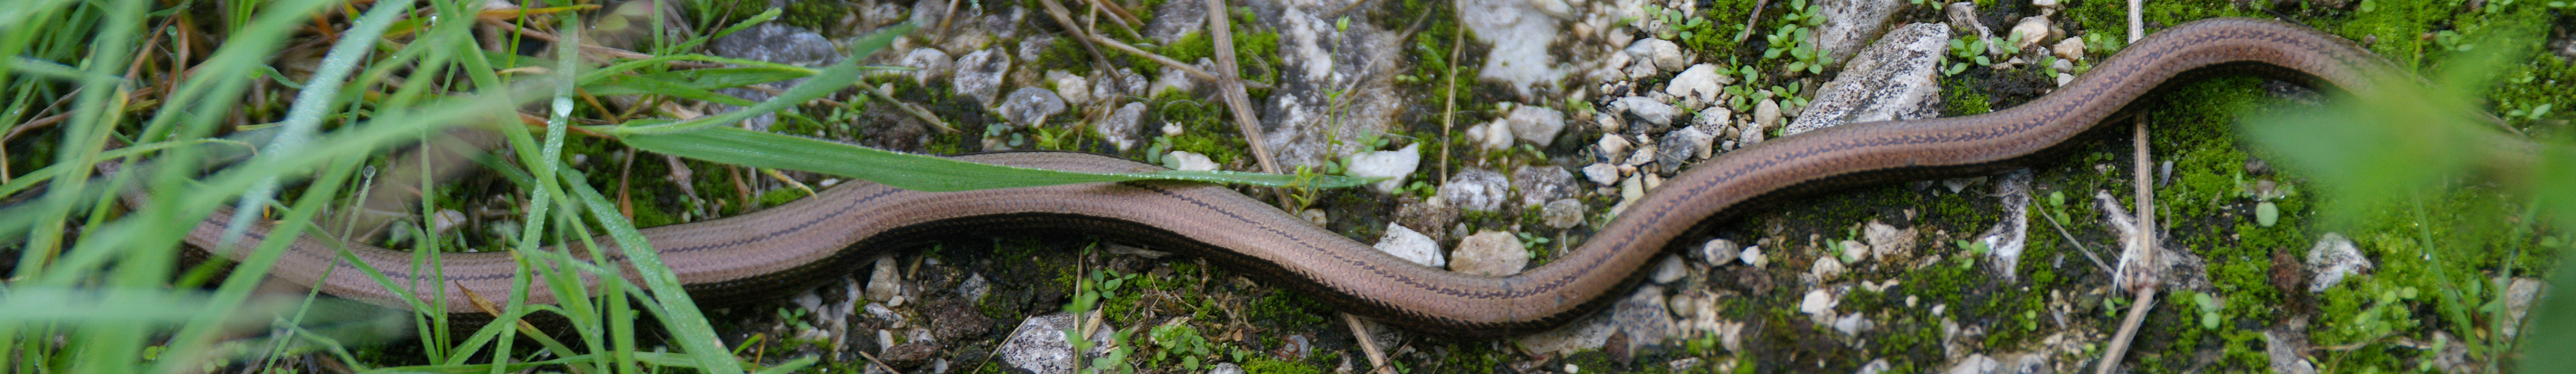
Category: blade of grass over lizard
<point>917,172</point>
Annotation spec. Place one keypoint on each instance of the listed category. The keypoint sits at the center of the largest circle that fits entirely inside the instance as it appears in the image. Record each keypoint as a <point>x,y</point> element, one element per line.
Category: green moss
<point>819,16</point>
<point>1265,365</point>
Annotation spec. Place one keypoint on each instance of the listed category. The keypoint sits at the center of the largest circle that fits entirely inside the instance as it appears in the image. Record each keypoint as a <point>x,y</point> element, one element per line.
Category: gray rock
<point>1535,124</point>
<point>1753,256</point>
<point>1176,81</point>
<point>2518,295</point>
<point>974,288</point>
<point>1226,368</point>
<point>1895,79</point>
<point>1519,34</point>
<point>1827,268</point>
<point>1176,19</point>
<point>2332,259</point>
<point>1648,109</point>
<point>929,65</point>
<point>1039,345</point>
<point>1034,47</point>
<point>1850,24</point>
<point>1562,213</point>
<point>884,284</point>
<point>1120,129</point>
<point>1818,302</point>
<point>1491,136</point>
<point>1678,146</point>
<point>2286,346</point>
<point>1718,252</point>
<point>1396,164</point>
<point>1410,245</point>
<point>1305,121</point>
<point>1117,83</point>
<point>1489,253</point>
<point>1976,364</point>
<point>1888,242</point>
<point>1641,316</point>
<point>1602,174</point>
<point>1030,106</point>
<point>1852,324</point>
<point>1476,189</point>
<point>1664,54</point>
<point>771,43</point>
<point>1538,185</point>
<point>980,74</point>
<point>1075,89</point>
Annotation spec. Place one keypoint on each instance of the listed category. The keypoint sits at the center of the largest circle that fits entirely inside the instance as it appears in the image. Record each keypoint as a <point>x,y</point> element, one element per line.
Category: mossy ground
<point>2204,206</point>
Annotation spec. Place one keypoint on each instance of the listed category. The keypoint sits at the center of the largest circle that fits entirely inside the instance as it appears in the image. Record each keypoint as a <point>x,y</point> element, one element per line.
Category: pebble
<point>1818,302</point>
<point>974,288</point>
<point>1701,83</point>
<point>2071,49</point>
<point>1476,189</point>
<point>1396,165</point>
<point>1038,345</point>
<point>1562,213</point>
<point>929,64</point>
<point>1889,242</point>
<point>1612,144</point>
<point>1719,252</point>
<point>1535,124</point>
<point>2032,30</point>
<point>2332,259</point>
<point>1852,324</point>
<point>1855,252</point>
<point>1666,55</point>
<point>1030,106</point>
<point>1186,160</point>
<point>1602,174</point>
<point>1225,368</point>
<point>1073,88</point>
<point>1670,269</point>
<point>1827,268</point>
<point>1491,136</point>
<point>2518,295</point>
<point>1645,108</point>
<point>1766,115</point>
<point>883,284</point>
<point>1120,128</point>
<point>979,74</point>
<point>1404,243</point>
<point>1679,146</point>
<point>1539,185</point>
<point>1753,256</point>
<point>1489,253</point>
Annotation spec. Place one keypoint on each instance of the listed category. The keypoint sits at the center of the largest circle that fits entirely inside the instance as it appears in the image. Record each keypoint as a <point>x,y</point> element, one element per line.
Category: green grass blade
<point>910,171</point>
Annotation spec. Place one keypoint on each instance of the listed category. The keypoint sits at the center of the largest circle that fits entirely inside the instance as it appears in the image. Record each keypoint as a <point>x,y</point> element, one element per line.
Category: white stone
<point>1666,55</point>
<point>1489,253</point>
<point>928,64</point>
<point>1520,34</point>
<point>1670,269</point>
<point>1395,164</point>
<point>2332,259</point>
<point>446,221</point>
<point>1491,136</point>
<point>1612,145</point>
<point>1701,82</point>
<point>1719,251</point>
<point>1602,174</point>
<point>1753,256</point>
<point>2069,49</point>
<point>1412,246</point>
<point>1851,324</point>
<point>1766,114</point>
<point>884,284</point>
<point>1889,242</point>
<point>1073,88</point>
<point>1121,126</point>
<point>1030,106</point>
<point>1535,124</point>
<point>1186,160</point>
<point>2032,30</point>
<point>1827,268</point>
<point>1818,302</point>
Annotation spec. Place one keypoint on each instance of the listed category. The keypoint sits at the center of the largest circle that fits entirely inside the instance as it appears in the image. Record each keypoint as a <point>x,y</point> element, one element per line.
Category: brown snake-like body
<point>798,245</point>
